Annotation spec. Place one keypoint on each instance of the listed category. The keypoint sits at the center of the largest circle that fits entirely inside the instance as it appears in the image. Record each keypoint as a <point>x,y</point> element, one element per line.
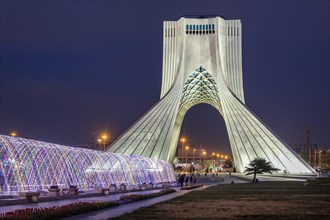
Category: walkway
<point>122,209</point>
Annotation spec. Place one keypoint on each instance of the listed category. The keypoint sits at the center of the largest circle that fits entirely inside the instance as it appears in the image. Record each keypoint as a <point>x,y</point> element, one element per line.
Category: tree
<point>228,163</point>
<point>259,165</point>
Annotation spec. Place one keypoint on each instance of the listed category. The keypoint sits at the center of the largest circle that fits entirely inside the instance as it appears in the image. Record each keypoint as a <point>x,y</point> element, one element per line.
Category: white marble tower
<point>202,63</point>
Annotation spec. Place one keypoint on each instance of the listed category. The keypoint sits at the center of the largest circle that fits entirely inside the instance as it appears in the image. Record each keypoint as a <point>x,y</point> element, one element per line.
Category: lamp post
<point>182,141</point>
<point>104,137</point>
<point>200,157</point>
<point>194,150</point>
<point>187,148</point>
<point>204,154</point>
<point>100,142</point>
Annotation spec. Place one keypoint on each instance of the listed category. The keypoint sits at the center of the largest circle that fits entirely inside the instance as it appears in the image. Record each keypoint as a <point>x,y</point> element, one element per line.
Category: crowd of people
<point>185,179</point>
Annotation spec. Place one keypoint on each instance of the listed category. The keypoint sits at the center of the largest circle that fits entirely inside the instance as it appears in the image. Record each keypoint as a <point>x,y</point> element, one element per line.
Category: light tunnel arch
<point>30,165</point>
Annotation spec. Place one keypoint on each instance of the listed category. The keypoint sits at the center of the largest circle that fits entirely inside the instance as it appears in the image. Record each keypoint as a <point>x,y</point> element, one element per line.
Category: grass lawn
<point>264,200</point>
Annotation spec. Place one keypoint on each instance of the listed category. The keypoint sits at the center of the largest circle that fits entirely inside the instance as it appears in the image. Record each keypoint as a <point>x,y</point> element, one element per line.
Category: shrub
<point>54,187</point>
<point>136,197</point>
<point>76,208</point>
<point>57,212</point>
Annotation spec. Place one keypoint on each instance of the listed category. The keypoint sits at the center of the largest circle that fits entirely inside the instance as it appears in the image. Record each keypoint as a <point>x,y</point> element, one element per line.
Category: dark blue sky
<point>72,68</point>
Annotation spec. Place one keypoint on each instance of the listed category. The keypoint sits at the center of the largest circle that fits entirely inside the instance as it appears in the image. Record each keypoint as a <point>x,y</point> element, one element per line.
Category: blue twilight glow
<point>29,165</point>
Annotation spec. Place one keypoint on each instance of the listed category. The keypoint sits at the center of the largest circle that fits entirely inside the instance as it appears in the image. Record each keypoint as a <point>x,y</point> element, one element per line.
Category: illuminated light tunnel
<point>31,165</point>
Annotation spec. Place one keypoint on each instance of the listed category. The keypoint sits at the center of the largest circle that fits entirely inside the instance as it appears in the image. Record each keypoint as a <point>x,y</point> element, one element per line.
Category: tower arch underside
<point>217,82</point>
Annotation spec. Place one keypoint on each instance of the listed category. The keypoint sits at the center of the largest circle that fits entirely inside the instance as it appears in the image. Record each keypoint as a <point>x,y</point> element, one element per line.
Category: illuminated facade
<point>29,165</point>
<point>202,63</point>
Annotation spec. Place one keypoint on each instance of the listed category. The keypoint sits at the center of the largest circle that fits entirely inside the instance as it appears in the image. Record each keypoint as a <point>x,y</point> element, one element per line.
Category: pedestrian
<point>194,180</point>
<point>191,178</point>
<point>229,174</point>
<point>182,179</point>
<point>187,179</point>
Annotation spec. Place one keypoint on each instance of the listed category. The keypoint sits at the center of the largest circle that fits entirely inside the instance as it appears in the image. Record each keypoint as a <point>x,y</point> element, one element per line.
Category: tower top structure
<point>202,16</point>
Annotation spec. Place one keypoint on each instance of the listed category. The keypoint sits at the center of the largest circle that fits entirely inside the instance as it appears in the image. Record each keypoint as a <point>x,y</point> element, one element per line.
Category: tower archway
<point>204,129</point>
<point>216,81</point>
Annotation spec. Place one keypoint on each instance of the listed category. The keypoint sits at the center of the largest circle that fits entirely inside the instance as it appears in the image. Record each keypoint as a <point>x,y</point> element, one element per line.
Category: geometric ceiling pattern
<point>200,87</point>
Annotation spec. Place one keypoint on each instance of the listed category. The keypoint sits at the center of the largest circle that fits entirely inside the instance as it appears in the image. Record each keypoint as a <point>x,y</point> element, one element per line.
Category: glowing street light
<point>182,141</point>
<point>104,137</point>
<point>100,142</point>
<point>13,134</point>
<point>226,157</point>
<point>194,150</point>
<point>187,148</point>
<point>204,154</point>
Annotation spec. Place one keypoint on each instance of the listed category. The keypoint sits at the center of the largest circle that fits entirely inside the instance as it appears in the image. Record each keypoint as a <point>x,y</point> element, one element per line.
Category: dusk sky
<point>71,68</point>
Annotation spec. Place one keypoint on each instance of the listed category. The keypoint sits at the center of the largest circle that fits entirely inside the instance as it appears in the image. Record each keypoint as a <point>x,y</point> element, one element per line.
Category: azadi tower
<point>202,63</point>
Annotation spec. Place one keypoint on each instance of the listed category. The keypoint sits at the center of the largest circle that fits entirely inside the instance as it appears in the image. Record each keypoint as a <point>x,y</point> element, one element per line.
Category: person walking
<point>182,179</point>
<point>187,179</point>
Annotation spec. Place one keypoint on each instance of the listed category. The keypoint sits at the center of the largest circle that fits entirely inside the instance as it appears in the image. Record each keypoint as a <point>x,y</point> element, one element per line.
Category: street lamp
<point>194,150</point>
<point>99,141</point>
<point>13,134</point>
<point>104,137</point>
<point>187,148</point>
<point>200,157</point>
<point>204,154</point>
<point>182,141</point>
